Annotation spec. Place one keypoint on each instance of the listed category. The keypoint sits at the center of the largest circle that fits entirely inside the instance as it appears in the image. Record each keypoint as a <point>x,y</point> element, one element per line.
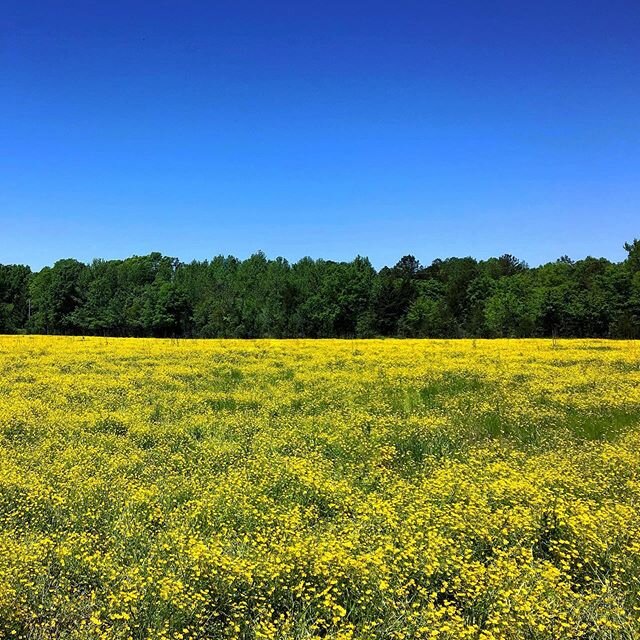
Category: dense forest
<point>156,295</point>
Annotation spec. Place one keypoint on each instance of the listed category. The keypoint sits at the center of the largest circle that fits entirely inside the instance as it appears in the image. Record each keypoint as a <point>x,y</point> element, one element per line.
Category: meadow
<point>319,489</point>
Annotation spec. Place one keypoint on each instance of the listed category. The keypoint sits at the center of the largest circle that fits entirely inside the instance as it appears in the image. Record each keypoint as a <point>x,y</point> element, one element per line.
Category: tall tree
<point>156,295</point>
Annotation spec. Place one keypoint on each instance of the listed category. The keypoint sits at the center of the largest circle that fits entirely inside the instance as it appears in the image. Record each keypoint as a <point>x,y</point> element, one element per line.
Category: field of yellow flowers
<point>319,489</point>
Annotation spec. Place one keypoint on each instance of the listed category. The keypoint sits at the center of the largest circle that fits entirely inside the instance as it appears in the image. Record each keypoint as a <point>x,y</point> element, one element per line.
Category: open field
<point>319,489</point>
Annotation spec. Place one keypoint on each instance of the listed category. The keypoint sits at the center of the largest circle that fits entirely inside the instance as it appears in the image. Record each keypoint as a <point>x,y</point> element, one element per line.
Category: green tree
<point>14,294</point>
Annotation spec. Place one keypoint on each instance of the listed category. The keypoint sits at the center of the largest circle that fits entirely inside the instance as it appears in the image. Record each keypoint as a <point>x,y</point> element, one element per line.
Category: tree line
<point>160,296</point>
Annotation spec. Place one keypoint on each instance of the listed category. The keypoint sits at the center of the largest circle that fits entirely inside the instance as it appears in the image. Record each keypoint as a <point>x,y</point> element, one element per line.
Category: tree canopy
<point>157,295</point>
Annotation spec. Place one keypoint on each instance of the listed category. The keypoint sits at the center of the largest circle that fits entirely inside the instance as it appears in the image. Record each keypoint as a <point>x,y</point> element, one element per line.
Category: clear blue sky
<point>327,129</point>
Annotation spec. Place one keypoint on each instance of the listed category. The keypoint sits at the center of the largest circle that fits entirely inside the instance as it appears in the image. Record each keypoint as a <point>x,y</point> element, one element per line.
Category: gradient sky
<point>327,129</point>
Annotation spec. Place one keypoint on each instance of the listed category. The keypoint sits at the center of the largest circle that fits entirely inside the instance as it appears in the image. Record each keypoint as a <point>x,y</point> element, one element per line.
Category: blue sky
<point>327,129</point>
